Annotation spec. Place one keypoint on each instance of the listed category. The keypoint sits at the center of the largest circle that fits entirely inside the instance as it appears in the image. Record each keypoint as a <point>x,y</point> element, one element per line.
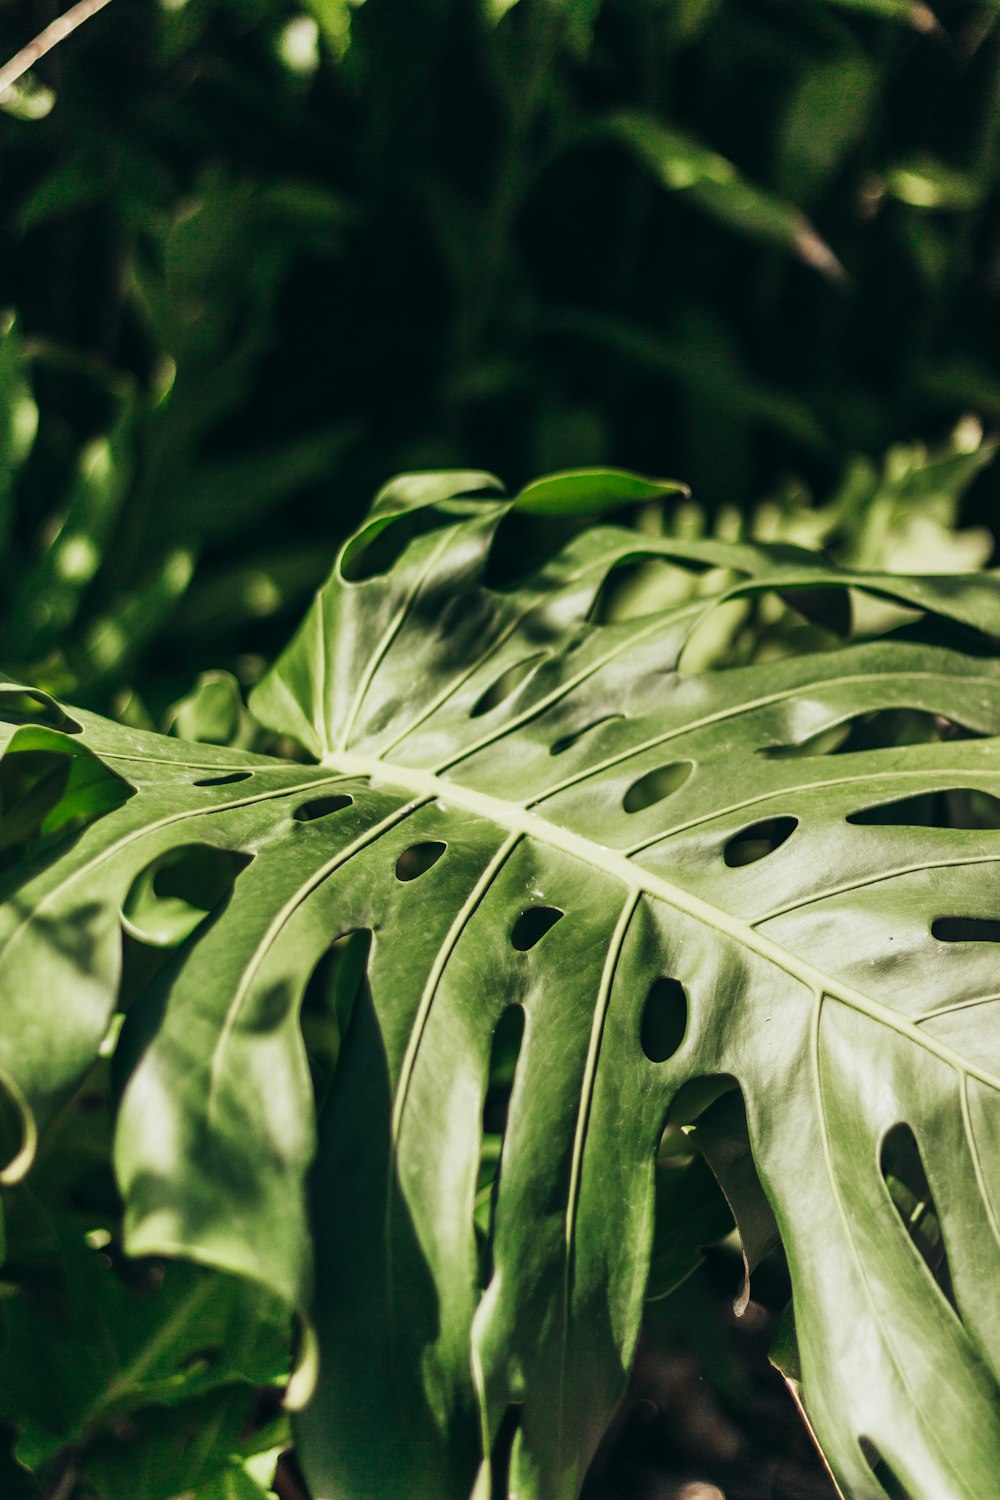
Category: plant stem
<point>57,31</point>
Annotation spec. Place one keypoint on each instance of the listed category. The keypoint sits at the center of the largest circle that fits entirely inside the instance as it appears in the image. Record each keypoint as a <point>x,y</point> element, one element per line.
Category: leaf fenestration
<point>811,947</point>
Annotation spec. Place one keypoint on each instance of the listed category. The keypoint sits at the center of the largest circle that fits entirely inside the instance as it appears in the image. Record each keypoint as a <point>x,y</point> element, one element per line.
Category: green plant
<point>386,1036</point>
<point>102,536</point>
<point>423,233</point>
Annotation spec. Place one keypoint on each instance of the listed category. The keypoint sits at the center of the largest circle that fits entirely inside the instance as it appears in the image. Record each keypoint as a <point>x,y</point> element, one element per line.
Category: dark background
<point>280,252</point>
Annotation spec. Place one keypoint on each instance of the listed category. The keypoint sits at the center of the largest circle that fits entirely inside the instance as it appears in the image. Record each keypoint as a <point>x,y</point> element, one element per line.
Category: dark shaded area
<point>706,1415</point>
<point>758,841</point>
<point>505,1050</point>
<point>883,1472</point>
<point>266,256</point>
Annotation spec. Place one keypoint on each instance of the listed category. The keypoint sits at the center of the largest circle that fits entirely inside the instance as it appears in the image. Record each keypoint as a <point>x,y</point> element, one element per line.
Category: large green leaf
<point>750,874</point>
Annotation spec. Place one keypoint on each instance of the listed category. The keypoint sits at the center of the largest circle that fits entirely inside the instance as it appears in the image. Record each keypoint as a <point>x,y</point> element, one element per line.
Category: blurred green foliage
<point>262,253</point>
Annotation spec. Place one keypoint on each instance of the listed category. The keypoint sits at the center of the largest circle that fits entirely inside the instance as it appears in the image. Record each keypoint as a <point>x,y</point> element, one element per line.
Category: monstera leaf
<point>532,841</point>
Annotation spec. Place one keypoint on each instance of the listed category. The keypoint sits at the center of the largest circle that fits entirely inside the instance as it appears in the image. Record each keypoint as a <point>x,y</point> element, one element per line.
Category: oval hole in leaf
<point>903,1173</point>
<point>505,686</point>
<point>952,807</point>
<point>505,1050</point>
<point>532,925</point>
<point>966,930</point>
<point>664,1019</point>
<point>829,608</point>
<point>758,841</point>
<point>175,893</point>
<point>881,1470</point>
<point>229,779</point>
<point>321,807</point>
<point>419,858</point>
<point>328,1005</point>
<point>655,785</point>
<point>560,746</point>
<point>885,729</point>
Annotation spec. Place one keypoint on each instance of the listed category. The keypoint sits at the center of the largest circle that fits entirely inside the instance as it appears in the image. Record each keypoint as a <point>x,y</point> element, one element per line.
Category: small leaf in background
<point>580,19</point>
<point>298,46</point>
<point>496,9</point>
<point>49,596</point>
<point>826,115</point>
<point>585,492</point>
<point>960,384</point>
<point>18,423</point>
<point>212,713</point>
<point>128,707</point>
<point>27,99</point>
<point>72,185</point>
<point>333,18</point>
<point>112,640</point>
<point>909,12</point>
<point>925,183</point>
<point>703,360</point>
<point>683,165</point>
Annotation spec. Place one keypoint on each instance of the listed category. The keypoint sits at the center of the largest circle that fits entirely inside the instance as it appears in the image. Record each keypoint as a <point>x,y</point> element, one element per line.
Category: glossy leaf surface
<point>514,807</point>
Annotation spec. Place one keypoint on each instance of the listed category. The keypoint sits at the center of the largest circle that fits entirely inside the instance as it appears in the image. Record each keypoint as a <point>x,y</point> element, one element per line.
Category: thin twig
<point>53,34</point>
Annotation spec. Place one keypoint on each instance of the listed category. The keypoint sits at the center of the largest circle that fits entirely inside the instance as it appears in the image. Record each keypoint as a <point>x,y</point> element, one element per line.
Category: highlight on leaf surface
<point>395,1033</point>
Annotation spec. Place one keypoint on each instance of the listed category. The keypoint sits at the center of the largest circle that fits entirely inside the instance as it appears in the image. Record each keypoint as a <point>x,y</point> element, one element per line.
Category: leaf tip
<point>815,252</point>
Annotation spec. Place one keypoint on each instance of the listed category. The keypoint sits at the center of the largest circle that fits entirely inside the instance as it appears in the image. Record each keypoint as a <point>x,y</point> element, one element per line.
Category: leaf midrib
<point>427,786</point>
